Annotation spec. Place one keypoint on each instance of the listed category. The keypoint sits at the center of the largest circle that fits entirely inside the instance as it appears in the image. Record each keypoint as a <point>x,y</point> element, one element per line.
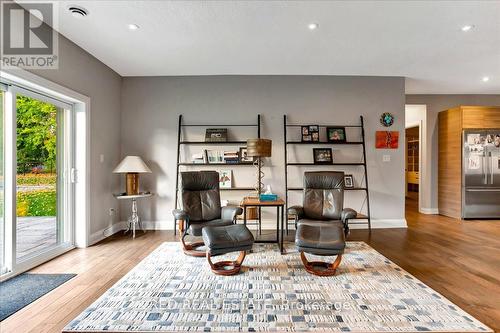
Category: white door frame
<point>424,183</point>
<point>80,121</point>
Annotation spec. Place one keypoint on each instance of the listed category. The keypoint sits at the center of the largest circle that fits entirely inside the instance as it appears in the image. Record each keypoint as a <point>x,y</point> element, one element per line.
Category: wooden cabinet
<point>451,124</point>
<point>480,116</point>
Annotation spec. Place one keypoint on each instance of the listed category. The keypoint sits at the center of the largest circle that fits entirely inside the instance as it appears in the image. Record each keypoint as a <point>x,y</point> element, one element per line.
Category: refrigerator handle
<point>491,168</point>
<point>485,172</point>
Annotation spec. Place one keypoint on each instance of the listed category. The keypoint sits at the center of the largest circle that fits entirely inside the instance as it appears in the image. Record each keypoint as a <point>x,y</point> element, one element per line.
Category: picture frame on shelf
<point>225,178</point>
<point>216,135</point>
<point>243,156</point>
<point>336,134</point>
<point>348,181</point>
<point>323,155</point>
<point>310,133</point>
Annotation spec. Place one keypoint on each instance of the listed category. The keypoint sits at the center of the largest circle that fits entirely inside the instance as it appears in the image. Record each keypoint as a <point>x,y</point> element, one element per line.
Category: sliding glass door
<point>38,191</point>
<point>3,267</point>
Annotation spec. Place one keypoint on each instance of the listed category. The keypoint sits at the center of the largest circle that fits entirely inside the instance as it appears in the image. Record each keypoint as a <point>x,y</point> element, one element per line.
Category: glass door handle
<point>74,175</point>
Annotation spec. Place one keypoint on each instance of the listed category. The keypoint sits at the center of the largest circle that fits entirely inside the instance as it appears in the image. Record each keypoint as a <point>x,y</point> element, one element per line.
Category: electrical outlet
<point>386,158</point>
<point>112,212</point>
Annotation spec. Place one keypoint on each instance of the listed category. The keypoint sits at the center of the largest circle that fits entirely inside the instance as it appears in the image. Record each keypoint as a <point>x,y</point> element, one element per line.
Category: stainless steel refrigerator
<point>481,174</point>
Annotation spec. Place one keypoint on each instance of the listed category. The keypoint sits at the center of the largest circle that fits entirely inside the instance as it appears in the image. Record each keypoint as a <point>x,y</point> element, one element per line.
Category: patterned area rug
<point>169,291</point>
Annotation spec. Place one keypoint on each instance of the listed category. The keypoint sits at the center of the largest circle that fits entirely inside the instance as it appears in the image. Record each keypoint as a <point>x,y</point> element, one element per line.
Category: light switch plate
<point>101,158</point>
<point>386,158</point>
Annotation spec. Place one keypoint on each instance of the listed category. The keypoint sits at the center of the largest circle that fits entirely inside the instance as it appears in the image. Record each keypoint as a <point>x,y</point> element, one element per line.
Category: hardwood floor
<point>460,260</point>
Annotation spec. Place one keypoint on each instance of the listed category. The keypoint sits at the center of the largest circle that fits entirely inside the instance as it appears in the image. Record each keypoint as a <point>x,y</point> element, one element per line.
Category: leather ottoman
<point>323,239</point>
<point>226,239</point>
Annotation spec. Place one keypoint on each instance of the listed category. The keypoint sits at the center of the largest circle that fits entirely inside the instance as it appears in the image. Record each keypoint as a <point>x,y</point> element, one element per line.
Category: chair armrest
<point>229,213</point>
<point>347,214</point>
<point>298,211</point>
<point>179,214</point>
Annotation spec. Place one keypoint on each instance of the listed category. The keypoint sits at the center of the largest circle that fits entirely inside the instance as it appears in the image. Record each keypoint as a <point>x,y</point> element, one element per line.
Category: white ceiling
<point>420,40</point>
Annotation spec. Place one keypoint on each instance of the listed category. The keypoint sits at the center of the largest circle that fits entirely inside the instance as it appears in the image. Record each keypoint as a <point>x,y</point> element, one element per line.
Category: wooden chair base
<point>190,249</point>
<point>226,267</point>
<point>320,268</point>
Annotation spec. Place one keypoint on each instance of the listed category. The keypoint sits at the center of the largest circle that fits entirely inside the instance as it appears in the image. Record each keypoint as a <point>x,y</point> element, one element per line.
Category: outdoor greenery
<point>36,157</point>
<point>36,135</point>
<point>36,179</point>
<point>36,203</point>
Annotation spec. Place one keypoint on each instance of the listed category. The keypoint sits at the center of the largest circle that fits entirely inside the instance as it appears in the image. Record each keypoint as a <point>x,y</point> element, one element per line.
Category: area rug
<point>26,288</point>
<point>169,291</point>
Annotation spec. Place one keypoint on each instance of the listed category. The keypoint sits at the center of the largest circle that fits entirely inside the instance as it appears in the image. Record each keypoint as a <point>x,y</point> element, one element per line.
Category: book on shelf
<point>218,156</point>
<point>214,156</point>
<point>231,157</point>
<point>216,135</point>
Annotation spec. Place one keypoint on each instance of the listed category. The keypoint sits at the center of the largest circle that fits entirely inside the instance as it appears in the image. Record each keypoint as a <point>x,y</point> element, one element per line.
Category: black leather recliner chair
<point>201,207</point>
<point>322,221</point>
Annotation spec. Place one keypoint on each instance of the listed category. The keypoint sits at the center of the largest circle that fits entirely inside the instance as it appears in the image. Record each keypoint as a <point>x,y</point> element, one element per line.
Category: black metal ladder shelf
<point>362,143</point>
<point>181,142</point>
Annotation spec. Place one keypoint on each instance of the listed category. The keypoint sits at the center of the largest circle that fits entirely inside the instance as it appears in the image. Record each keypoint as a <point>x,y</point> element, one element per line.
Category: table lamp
<point>132,166</point>
<point>259,148</point>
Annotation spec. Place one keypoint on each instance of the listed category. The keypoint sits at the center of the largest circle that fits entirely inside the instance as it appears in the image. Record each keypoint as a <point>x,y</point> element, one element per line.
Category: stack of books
<point>231,157</point>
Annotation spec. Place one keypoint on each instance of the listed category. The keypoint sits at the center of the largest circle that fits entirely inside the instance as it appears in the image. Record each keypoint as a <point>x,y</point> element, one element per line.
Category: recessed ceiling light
<point>466,28</point>
<point>78,12</point>
<point>313,26</point>
<point>133,27</point>
<point>485,78</point>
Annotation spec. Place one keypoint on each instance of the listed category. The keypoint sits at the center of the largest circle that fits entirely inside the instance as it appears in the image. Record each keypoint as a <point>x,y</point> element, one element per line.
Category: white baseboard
<point>158,225</point>
<point>382,224</point>
<point>271,224</point>
<point>430,211</point>
<point>266,225</point>
<point>106,232</point>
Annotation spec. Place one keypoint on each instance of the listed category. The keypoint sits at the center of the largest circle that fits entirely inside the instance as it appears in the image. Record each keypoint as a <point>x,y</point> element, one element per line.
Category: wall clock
<point>387,119</point>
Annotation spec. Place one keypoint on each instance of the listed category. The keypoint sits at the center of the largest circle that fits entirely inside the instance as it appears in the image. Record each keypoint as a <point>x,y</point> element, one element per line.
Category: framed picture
<point>323,156</point>
<point>216,135</point>
<point>310,133</point>
<point>225,178</point>
<point>348,181</point>
<point>243,155</point>
<point>387,139</point>
<point>335,134</point>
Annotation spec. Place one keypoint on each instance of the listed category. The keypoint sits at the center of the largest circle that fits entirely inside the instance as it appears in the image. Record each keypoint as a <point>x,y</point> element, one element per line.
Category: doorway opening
<point>417,164</point>
<point>412,152</point>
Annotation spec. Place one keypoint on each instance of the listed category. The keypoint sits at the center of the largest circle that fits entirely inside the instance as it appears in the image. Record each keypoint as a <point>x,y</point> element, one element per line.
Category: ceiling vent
<point>78,12</point>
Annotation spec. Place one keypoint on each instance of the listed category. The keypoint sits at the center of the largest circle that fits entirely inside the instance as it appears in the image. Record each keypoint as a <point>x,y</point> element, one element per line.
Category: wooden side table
<point>134,219</point>
<point>280,215</point>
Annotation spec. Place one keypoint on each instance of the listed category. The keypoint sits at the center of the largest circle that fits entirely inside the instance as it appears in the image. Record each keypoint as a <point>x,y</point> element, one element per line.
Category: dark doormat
<point>25,288</point>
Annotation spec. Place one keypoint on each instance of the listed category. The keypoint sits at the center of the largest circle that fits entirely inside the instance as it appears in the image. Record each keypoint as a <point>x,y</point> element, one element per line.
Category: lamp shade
<point>132,164</point>
<point>259,147</point>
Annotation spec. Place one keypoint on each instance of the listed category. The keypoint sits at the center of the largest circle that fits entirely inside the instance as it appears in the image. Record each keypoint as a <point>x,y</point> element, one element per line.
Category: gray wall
<point>435,104</point>
<point>151,105</point>
<point>84,74</point>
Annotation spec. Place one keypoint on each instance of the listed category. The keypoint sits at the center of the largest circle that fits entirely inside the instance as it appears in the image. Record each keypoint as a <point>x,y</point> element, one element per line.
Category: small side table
<point>279,204</point>
<point>134,219</point>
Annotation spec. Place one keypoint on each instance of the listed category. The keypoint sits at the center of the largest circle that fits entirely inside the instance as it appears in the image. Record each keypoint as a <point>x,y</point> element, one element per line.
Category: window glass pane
<point>2,187</point>
<point>36,180</point>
